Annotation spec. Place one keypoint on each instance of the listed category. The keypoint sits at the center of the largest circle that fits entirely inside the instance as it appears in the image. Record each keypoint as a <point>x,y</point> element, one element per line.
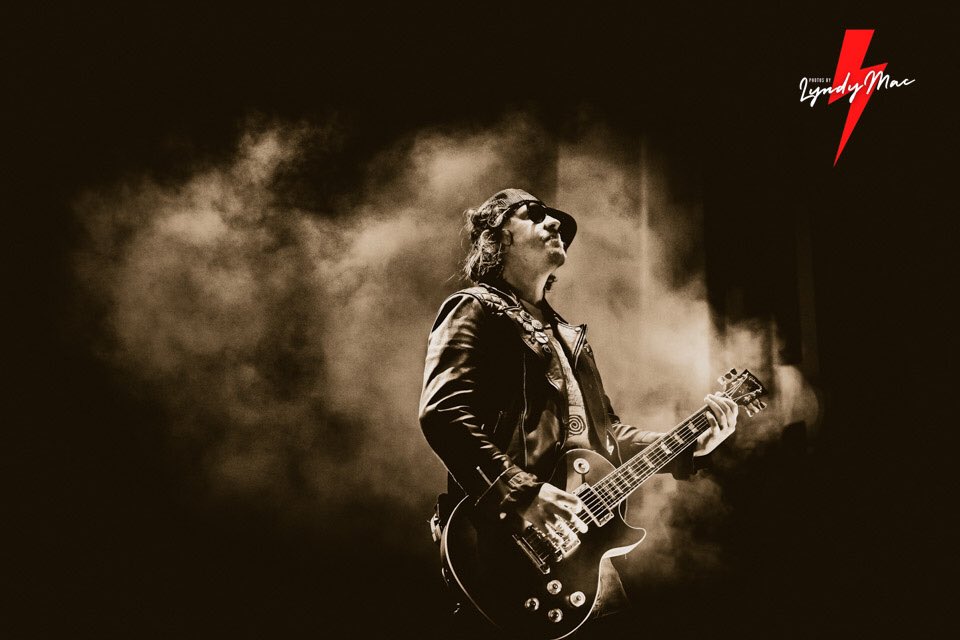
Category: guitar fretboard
<point>618,484</point>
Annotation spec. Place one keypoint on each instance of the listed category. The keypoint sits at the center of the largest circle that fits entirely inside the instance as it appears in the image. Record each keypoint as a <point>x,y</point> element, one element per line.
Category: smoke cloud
<point>286,344</point>
<point>636,275</point>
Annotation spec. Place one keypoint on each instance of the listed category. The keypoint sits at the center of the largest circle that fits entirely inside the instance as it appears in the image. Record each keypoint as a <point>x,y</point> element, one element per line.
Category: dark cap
<point>512,199</point>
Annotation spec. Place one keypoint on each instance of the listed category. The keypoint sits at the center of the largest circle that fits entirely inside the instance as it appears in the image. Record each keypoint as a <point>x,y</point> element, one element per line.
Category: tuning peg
<point>749,411</point>
<point>756,407</point>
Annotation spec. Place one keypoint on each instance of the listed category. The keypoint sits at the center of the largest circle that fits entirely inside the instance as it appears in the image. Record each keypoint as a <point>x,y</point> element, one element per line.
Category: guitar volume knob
<point>577,598</point>
<point>554,615</point>
<point>554,587</point>
<point>580,465</point>
<point>531,604</point>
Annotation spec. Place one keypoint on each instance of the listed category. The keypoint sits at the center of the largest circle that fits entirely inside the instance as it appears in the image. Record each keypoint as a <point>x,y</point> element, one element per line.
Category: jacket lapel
<point>529,329</point>
<point>573,338</point>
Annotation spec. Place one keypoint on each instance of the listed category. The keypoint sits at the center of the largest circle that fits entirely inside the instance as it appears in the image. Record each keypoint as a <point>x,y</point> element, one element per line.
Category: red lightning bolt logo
<point>851,78</point>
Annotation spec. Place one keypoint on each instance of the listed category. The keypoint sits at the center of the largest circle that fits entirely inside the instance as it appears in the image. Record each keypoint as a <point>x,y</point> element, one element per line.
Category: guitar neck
<point>620,483</point>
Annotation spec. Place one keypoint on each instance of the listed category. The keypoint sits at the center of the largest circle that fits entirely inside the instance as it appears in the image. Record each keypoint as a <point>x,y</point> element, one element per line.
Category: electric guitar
<point>543,588</point>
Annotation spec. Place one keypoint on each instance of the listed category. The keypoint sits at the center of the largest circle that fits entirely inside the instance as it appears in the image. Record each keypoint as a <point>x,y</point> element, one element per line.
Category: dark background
<point>841,537</point>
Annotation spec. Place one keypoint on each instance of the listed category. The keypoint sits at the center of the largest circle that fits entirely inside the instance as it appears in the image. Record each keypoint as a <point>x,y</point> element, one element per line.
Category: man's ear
<point>506,238</point>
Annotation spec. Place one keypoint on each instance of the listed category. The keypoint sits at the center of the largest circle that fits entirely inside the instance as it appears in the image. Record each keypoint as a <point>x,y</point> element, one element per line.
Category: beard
<point>557,256</point>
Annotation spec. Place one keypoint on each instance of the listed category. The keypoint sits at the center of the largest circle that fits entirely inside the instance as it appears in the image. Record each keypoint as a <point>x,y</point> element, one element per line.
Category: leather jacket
<point>489,374</point>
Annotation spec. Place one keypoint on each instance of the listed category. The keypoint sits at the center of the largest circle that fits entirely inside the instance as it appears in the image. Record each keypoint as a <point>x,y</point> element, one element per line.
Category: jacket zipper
<point>523,414</point>
<point>496,425</point>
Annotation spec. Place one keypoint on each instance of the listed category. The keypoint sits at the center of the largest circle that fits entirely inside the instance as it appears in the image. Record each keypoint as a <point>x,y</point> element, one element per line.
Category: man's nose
<point>551,223</point>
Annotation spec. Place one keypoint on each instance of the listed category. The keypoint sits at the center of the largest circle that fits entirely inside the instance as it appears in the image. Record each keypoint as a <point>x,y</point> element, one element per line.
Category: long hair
<point>485,257</point>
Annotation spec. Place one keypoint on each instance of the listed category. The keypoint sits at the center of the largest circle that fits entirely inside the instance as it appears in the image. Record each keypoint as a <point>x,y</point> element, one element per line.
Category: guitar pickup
<point>595,508</point>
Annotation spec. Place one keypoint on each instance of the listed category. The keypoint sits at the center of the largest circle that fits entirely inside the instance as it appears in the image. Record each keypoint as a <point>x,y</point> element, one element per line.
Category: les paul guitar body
<point>533,595</point>
<point>537,588</point>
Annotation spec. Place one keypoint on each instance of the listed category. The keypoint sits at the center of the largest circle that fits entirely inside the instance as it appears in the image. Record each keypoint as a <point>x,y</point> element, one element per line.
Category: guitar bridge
<point>542,565</point>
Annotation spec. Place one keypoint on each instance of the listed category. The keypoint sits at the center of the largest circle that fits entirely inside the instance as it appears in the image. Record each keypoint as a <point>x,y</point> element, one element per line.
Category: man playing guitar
<point>510,387</point>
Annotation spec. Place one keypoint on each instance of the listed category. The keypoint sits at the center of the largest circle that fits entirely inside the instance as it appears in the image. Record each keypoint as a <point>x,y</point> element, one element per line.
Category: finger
<point>554,493</point>
<point>730,408</point>
<point>734,407</point>
<point>713,422</point>
<point>566,532</point>
<point>563,528</point>
<point>537,521</point>
<point>580,525</point>
<point>551,532</point>
<point>544,514</point>
<point>567,499</point>
<point>562,512</point>
<point>731,422</point>
<point>732,413</point>
<point>569,503</point>
<point>718,411</point>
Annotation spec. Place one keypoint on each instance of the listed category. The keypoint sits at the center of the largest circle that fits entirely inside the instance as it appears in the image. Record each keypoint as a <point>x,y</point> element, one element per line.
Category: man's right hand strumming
<point>554,512</point>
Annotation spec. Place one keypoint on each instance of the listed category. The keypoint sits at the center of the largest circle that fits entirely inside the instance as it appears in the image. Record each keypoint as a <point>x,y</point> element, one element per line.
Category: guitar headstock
<point>744,389</point>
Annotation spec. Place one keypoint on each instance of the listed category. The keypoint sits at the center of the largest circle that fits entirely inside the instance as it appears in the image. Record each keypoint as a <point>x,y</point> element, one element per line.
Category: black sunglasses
<point>536,211</point>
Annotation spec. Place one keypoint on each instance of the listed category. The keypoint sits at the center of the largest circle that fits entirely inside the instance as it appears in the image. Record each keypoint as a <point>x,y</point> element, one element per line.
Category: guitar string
<point>604,494</point>
<point>660,459</point>
<point>616,482</point>
<point>695,424</point>
<point>637,467</point>
<point>619,476</point>
<point>642,466</point>
<point>633,466</point>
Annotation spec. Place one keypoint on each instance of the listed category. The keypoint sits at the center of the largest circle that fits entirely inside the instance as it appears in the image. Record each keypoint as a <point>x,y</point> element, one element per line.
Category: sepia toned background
<point>234,229</point>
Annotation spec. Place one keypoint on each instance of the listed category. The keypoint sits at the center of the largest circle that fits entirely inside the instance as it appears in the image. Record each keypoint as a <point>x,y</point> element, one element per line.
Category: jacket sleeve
<point>449,411</point>
<point>633,440</point>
